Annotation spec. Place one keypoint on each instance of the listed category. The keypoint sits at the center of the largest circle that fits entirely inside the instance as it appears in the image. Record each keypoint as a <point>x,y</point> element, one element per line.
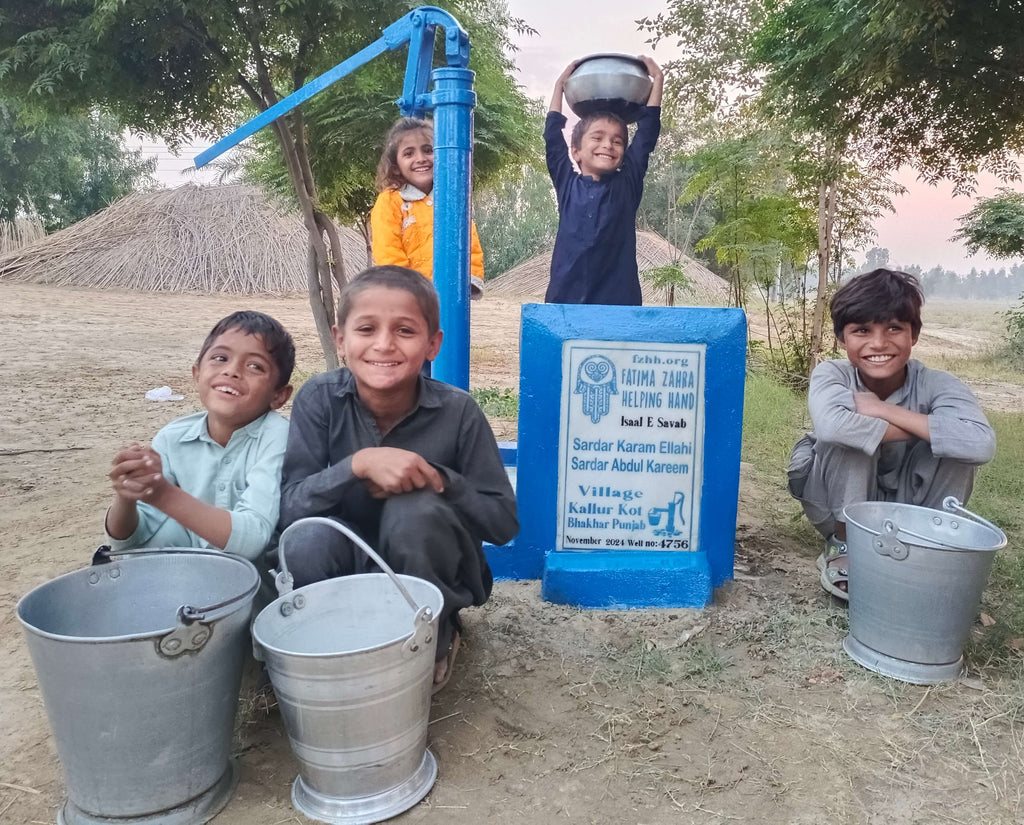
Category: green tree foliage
<point>63,168</point>
<point>346,124</point>
<point>681,222</point>
<point>763,236</point>
<point>515,218</point>
<point>930,83</point>
<point>875,258</point>
<point>730,48</point>
<point>995,224</point>
<point>712,75</point>
<point>761,224</point>
<point>200,67</point>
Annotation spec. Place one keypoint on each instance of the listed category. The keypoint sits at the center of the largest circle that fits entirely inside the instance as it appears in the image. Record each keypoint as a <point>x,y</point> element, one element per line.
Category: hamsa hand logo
<point>595,381</point>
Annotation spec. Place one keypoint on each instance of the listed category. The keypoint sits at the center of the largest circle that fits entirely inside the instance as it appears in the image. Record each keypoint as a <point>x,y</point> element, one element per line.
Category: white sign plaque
<point>630,443</point>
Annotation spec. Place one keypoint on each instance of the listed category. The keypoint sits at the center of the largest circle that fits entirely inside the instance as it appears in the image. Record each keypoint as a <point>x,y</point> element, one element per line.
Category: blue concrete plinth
<point>508,563</point>
<point>632,578</point>
<point>509,452</point>
<point>614,580</point>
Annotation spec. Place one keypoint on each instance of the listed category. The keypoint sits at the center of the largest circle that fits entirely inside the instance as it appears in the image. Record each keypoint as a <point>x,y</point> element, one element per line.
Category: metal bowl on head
<point>616,83</point>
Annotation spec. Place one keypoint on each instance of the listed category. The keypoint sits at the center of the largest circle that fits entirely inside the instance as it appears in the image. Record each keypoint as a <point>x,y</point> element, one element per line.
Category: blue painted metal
<point>545,327</point>
<point>453,99</point>
<point>422,25</point>
<point>282,107</point>
<point>505,561</point>
<point>509,452</point>
<point>452,102</point>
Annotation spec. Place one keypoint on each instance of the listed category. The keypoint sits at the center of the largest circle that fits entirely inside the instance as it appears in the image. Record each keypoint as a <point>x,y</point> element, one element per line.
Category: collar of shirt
<point>411,193</point>
<point>198,431</point>
<point>898,397</point>
<point>427,395</point>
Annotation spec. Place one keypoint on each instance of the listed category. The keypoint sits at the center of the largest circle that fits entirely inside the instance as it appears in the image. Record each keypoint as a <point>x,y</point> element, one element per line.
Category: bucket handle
<point>893,547</point>
<point>952,503</point>
<point>186,613</point>
<point>285,582</point>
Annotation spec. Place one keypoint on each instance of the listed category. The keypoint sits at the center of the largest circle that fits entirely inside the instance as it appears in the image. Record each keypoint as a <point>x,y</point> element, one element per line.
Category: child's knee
<point>414,512</point>
<point>801,460</point>
<point>422,525</point>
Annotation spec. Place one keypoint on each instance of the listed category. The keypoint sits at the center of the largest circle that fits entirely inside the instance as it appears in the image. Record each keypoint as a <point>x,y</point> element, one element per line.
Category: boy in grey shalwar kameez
<point>886,427</point>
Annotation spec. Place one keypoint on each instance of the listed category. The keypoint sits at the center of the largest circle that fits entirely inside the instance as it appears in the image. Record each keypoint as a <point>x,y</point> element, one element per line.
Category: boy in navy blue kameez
<point>594,261</point>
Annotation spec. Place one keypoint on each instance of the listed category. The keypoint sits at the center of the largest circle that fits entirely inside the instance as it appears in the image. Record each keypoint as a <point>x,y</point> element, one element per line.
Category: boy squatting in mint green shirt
<point>213,479</point>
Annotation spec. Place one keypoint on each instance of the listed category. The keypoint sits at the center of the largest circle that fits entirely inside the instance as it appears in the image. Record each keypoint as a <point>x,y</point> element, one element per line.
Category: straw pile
<point>530,278</point>
<point>226,239</point>
<point>20,233</point>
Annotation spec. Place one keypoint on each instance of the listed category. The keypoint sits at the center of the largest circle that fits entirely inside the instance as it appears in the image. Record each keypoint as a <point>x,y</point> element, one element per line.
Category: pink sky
<point>925,220</point>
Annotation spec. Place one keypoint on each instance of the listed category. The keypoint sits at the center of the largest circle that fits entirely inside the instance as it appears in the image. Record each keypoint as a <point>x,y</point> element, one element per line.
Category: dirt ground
<point>745,711</point>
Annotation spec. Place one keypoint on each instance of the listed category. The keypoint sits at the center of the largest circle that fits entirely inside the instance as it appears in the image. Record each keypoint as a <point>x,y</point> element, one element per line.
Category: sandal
<point>449,661</point>
<point>834,566</point>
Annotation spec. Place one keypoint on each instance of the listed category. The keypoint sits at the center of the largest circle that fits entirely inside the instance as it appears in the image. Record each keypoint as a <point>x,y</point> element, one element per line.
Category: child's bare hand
<point>568,70</point>
<point>389,471</point>
<point>136,473</point>
<point>653,69</point>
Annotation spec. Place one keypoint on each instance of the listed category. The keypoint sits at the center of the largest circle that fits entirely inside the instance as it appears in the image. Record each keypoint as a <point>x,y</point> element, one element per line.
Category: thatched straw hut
<point>229,238</point>
<point>20,233</point>
<point>530,278</point>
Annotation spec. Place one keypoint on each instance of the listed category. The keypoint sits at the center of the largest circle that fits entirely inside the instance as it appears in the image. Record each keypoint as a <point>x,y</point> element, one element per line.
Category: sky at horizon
<point>918,233</point>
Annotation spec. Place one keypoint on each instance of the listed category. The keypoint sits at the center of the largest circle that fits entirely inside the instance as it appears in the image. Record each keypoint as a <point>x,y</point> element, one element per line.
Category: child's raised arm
<point>556,94</point>
<point>658,89</point>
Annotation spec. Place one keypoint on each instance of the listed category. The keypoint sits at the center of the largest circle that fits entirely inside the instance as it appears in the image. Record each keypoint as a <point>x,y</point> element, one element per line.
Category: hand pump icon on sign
<point>654,516</point>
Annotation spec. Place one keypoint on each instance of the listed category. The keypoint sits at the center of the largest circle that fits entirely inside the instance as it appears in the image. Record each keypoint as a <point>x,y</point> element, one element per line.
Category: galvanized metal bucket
<point>139,662</point>
<point>916,579</point>
<point>616,83</point>
<point>351,660</point>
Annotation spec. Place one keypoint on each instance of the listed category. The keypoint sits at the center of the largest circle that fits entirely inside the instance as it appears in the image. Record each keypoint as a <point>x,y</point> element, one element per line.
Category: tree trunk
<point>827,192</point>
<point>319,272</point>
<point>364,230</point>
<point>319,309</point>
<point>323,263</point>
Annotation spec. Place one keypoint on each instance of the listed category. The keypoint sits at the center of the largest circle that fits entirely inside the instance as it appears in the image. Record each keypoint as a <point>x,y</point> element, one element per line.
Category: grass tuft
<point>497,402</point>
<point>774,417</point>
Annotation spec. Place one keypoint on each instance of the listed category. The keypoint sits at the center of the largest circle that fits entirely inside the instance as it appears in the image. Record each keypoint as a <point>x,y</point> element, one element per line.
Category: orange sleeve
<point>476,253</point>
<point>386,230</point>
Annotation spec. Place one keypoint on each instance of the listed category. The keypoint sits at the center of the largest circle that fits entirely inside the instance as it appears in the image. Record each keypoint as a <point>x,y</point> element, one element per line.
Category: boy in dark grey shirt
<point>407,462</point>
<point>886,427</point>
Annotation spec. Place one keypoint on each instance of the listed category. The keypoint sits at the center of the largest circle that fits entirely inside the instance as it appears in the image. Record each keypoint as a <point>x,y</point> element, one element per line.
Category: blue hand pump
<point>452,100</point>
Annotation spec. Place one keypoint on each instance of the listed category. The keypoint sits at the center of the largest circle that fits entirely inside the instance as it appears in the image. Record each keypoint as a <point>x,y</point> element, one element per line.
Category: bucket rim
<point>998,535</point>
<point>243,601</point>
<point>287,597</point>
